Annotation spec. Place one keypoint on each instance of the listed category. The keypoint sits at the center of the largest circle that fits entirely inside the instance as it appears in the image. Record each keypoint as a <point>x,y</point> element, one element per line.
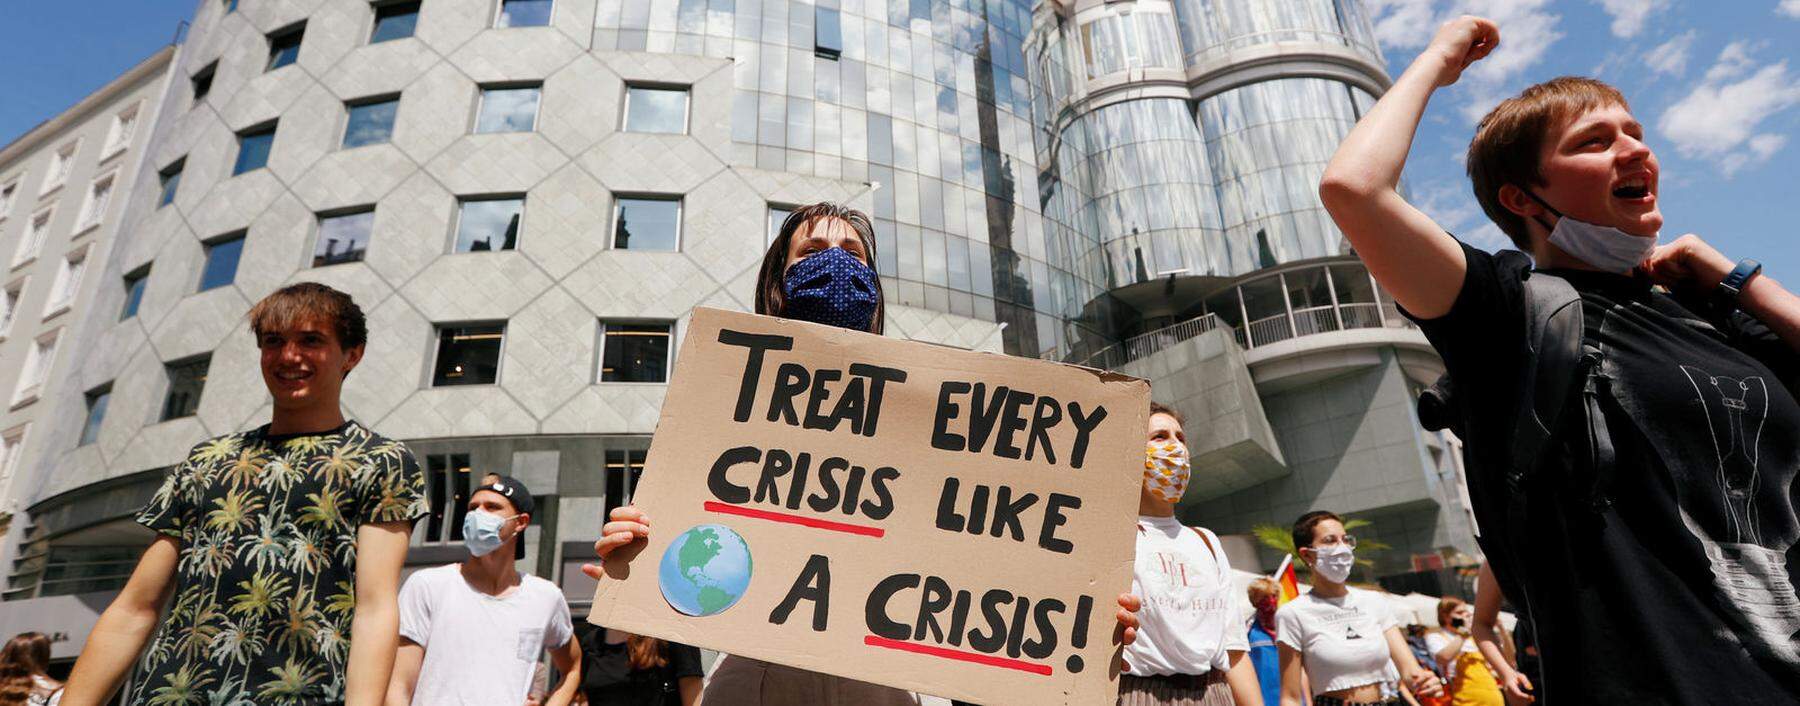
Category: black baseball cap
<point>516,493</point>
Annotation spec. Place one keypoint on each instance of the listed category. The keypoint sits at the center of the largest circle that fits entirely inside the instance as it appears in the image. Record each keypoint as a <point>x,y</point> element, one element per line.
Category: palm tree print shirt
<point>266,584</point>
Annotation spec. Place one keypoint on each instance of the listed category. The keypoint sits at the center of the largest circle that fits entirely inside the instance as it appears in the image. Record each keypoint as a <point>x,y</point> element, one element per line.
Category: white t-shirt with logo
<point>479,649</point>
<point>1342,641</point>
<point>1437,640</point>
<point>1190,618</point>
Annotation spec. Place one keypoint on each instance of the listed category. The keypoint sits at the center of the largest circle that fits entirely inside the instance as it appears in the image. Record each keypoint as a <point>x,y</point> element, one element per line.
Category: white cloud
<point>1671,57</point>
<point>1719,119</point>
<point>1527,31</point>
<point>1629,16</point>
<point>1405,24</point>
<point>1790,8</point>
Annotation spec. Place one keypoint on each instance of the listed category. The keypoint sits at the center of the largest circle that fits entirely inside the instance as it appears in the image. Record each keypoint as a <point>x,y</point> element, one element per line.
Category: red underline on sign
<point>960,655</point>
<point>792,519</point>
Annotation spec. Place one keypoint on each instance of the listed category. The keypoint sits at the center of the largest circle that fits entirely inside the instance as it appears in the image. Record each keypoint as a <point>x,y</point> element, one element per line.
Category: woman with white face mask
<point>1190,645</point>
<point>1343,642</point>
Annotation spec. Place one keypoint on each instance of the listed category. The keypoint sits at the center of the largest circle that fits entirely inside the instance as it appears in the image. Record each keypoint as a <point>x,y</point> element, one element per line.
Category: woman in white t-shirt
<point>1343,642</point>
<point>1190,643</point>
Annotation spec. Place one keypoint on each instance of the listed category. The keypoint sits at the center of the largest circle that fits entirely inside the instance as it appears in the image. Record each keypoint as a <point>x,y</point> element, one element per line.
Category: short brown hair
<point>1303,527</point>
<point>1510,138</point>
<point>1160,408</point>
<point>769,299</point>
<point>1263,588</point>
<point>305,300</point>
<point>1448,605</point>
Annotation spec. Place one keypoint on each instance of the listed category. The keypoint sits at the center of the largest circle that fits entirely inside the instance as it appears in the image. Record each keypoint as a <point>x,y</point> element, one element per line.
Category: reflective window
<point>507,110</point>
<point>489,224</point>
<point>777,216</point>
<point>634,352</point>
<point>394,20</point>
<point>468,355</point>
<point>7,193</point>
<point>134,292</point>
<point>623,468</point>
<point>828,35</point>
<point>221,262</point>
<point>202,81</point>
<point>187,380</point>
<point>448,484</point>
<point>96,415</point>
<point>9,300</point>
<point>656,109</point>
<point>343,238</point>
<point>253,149</point>
<point>168,180</point>
<point>370,122</point>
<point>284,47</point>
<point>647,223</point>
<point>230,6</point>
<point>524,13</point>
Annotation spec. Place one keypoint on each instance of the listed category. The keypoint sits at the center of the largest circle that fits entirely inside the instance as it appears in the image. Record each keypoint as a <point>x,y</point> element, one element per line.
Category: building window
<point>524,13</point>
<point>447,489</point>
<point>512,109</point>
<point>489,223</point>
<point>35,233</point>
<point>828,34</point>
<point>202,81</point>
<point>68,282</point>
<point>343,238</point>
<point>370,122</point>
<point>37,367</point>
<point>221,262</point>
<point>10,299</point>
<point>61,163</point>
<point>647,223</point>
<point>777,216</point>
<point>656,109</point>
<point>168,181</point>
<point>134,292</point>
<point>10,446</point>
<point>96,414</point>
<point>394,20</point>
<point>284,46</point>
<point>253,149</point>
<point>468,354</point>
<point>230,6</point>
<point>93,210</point>
<point>124,126</point>
<point>635,351</point>
<point>187,379</point>
<point>623,469</point>
<point>7,193</point>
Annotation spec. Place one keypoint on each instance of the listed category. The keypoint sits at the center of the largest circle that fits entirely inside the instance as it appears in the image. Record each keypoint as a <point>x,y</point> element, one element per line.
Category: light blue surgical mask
<point>481,531</point>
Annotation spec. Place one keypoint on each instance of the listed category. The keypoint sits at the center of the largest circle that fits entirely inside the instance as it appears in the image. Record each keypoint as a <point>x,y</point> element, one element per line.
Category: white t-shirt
<point>1342,641</point>
<point>479,649</point>
<point>1190,618</point>
<point>1437,640</point>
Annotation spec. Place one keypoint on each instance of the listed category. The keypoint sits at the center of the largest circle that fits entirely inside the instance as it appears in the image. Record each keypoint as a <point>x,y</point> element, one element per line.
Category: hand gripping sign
<point>933,519</point>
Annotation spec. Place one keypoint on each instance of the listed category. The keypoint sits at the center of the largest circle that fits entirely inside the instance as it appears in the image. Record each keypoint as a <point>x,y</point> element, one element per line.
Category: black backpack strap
<point>1553,332</point>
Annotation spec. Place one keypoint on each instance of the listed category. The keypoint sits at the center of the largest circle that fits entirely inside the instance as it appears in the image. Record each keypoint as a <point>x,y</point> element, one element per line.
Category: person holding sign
<point>821,269</point>
<point>1342,641</point>
<point>1190,648</point>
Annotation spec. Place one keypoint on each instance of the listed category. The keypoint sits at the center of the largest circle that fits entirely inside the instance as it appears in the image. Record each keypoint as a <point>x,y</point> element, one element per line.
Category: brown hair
<point>1160,408</point>
<point>1448,605</point>
<point>1263,589</point>
<point>306,300</point>
<point>27,654</point>
<point>645,652</point>
<point>774,263</point>
<point>1303,527</point>
<point>1509,140</point>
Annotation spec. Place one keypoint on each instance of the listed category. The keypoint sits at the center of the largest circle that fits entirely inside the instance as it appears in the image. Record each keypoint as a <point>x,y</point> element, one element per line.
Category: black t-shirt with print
<point>1681,590</point>
<point>608,679</point>
<point>266,584</point>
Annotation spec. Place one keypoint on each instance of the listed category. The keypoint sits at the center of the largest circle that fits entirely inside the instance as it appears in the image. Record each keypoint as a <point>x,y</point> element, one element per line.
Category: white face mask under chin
<point>1602,247</point>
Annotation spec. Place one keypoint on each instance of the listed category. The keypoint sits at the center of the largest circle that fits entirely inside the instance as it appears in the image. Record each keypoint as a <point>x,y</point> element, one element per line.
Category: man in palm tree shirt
<point>282,545</point>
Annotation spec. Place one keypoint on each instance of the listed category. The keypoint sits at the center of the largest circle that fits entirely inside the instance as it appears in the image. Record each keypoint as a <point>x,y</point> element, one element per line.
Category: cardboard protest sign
<point>937,520</point>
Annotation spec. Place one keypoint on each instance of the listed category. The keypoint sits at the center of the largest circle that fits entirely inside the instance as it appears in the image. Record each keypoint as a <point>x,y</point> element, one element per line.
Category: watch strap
<point>1734,281</point>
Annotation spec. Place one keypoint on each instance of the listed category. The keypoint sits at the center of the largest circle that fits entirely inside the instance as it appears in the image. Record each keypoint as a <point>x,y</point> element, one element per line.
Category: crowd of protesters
<point>1643,540</point>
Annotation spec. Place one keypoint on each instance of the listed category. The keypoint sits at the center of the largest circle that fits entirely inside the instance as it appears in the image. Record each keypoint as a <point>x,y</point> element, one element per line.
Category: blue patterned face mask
<point>830,287</point>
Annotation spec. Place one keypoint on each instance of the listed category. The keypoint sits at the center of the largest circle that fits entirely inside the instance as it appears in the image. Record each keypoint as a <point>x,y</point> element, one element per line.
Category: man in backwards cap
<point>471,633</point>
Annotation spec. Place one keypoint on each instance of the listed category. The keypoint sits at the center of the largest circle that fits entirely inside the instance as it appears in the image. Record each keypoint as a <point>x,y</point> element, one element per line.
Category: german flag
<point>1290,585</point>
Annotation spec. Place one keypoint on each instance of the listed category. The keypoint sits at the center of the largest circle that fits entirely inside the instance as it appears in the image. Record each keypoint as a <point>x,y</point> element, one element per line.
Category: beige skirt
<point>741,681</point>
<point>1140,691</point>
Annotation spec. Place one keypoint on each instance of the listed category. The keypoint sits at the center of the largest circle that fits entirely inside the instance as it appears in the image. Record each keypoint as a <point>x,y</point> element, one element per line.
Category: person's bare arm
<point>1448,655</point>
<point>567,660</point>
<point>1241,678</point>
<point>407,661</point>
<point>1487,619</point>
<point>690,688</point>
<point>1690,262</point>
<point>1293,677</point>
<point>1422,682</point>
<point>119,636</point>
<point>375,626</point>
<point>1411,256</point>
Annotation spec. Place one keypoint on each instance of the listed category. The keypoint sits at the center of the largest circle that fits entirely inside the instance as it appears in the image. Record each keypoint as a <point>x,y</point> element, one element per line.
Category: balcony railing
<point>1262,332</point>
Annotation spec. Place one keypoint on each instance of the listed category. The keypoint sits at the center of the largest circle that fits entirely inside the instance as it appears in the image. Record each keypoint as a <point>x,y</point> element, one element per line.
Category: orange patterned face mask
<point>1166,470</point>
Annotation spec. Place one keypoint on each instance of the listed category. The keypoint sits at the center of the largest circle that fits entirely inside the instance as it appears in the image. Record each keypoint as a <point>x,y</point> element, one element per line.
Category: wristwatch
<point>1733,284</point>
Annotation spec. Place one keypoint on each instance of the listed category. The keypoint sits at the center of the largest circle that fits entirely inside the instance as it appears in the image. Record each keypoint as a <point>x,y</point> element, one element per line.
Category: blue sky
<point>1715,82</point>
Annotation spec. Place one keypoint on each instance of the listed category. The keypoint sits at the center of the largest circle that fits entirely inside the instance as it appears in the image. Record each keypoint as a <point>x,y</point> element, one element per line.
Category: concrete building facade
<point>528,197</point>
